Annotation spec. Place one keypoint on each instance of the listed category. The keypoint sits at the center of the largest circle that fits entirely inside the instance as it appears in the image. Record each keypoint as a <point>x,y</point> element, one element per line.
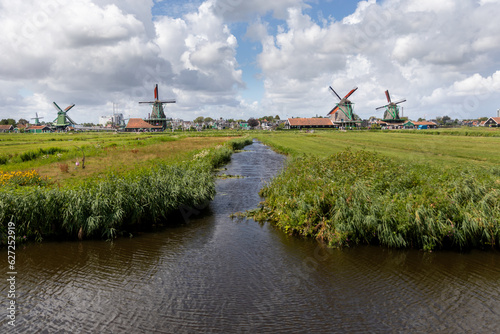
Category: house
<point>20,128</point>
<point>493,122</point>
<point>307,123</point>
<point>38,129</point>
<point>6,128</point>
<point>138,124</point>
<point>430,125</point>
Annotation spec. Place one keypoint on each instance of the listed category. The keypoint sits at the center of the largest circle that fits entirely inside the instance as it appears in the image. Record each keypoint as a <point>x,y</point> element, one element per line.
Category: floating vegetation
<point>366,198</point>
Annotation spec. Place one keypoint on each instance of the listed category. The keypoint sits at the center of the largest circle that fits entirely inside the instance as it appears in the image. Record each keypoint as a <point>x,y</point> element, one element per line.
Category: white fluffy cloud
<point>98,52</point>
<point>417,49</point>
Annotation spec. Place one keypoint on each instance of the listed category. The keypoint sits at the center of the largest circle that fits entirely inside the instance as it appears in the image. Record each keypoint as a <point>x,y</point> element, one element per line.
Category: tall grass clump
<point>366,198</point>
<point>116,203</point>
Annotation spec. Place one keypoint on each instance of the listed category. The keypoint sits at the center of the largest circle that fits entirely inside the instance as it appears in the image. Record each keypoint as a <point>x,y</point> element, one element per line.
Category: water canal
<point>213,274</point>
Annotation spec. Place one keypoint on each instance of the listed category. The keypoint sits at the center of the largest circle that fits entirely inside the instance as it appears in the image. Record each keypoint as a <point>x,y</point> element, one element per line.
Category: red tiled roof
<point>37,127</point>
<point>310,122</point>
<point>6,127</point>
<point>424,123</point>
<point>138,123</point>
<point>496,119</point>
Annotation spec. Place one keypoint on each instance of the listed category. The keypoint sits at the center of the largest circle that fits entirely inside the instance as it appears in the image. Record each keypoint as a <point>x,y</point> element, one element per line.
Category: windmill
<point>157,116</point>
<point>63,120</point>
<point>342,114</point>
<point>37,119</point>
<point>391,113</point>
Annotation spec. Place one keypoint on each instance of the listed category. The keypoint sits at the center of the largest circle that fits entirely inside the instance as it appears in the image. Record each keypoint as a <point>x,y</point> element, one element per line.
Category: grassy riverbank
<point>117,202</point>
<point>54,155</point>
<point>389,189</point>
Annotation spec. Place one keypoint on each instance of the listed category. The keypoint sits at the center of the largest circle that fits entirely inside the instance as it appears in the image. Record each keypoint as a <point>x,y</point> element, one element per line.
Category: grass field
<point>54,155</point>
<point>438,189</point>
<point>160,179</point>
<point>448,149</point>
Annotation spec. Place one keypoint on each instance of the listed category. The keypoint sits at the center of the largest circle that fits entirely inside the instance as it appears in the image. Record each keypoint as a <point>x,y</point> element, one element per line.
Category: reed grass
<point>118,203</point>
<point>361,197</point>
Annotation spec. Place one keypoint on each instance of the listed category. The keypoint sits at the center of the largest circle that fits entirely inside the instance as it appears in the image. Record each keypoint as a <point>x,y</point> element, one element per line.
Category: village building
<point>308,123</point>
<point>138,124</point>
<point>6,128</point>
<point>492,122</point>
<point>419,125</point>
<point>38,129</point>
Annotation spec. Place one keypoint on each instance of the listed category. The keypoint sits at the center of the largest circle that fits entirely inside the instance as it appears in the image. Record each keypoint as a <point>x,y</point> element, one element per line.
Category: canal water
<point>214,274</point>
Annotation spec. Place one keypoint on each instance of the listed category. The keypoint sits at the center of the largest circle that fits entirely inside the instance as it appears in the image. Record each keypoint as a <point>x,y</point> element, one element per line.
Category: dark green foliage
<point>363,197</point>
<point>32,155</point>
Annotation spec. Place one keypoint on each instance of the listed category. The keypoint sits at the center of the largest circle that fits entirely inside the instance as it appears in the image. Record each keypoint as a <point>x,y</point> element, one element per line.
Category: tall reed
<point>363,197</point>
<point>115,204</point>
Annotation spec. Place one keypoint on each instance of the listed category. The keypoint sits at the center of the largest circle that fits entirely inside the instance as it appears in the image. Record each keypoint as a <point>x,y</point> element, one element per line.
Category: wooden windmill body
<point>157,116</point>
<point>342,115</point>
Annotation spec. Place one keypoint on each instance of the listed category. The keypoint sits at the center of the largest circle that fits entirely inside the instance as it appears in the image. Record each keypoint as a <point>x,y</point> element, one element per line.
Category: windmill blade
<point>381,107</point>
<point>156,92</point>
<point>333,110</point>
<point>388,96</point>
<point>69,107</point>
<point>72,121</point>
<point>350,93</point>
<point>334,92</point>
<point>168,101</point>
<point>57,107</point>
<point>403,100</point>
<point>151,102</point>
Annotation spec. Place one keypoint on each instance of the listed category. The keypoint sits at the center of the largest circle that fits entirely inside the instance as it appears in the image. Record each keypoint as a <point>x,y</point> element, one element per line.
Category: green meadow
<point>427,190</point>
<point>445,148</point>
<point>131,182</point>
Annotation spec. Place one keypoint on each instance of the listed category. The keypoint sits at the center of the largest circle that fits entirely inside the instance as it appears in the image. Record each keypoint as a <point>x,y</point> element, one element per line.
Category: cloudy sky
<point>241,59</point>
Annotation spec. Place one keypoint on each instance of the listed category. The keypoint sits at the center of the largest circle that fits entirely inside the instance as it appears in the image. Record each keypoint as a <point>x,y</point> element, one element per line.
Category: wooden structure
<point>157,116</point>
<point>309,123</point>
<point>391,114</point>
<point>342,115</point>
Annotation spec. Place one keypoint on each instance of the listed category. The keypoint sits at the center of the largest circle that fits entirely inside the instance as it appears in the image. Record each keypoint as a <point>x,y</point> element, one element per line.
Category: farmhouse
<point>6,128</point>
<point>307,123</point>
<point>493,122</point>
<point>138,124</point>
<point>412,124</point>
<point>37,129</point>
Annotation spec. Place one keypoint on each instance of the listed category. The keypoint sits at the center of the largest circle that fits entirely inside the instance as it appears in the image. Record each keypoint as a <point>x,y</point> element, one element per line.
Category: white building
<point>116,119</point>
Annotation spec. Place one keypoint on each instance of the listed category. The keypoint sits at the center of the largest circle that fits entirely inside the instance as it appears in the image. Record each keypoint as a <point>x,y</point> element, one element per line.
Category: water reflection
<point>213,274</point>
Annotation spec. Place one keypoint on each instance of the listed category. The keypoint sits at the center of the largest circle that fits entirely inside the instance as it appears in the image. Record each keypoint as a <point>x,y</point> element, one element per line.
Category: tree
<point>22,121</point>
<point>199,119</point>
<point>8,121</point>
<point>252,122</point>
<point>277,117</point>
<point>208,119</point>
<point>421,120</point>
<point>445,119</point>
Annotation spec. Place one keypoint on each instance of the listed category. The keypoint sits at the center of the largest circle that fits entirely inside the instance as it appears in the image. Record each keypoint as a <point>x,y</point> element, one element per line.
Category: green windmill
<point>63,120</point>
<point>342,114</point>
<point>37,119</point>
<point>391,114</point>
<point>157,116</point>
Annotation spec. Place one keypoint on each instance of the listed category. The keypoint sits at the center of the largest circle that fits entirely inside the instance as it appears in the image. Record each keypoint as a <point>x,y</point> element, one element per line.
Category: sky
<point>240,59</point>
